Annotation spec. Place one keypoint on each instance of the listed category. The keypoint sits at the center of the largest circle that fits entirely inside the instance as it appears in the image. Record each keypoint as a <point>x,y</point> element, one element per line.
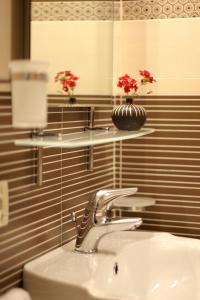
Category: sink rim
<point>68,260</point>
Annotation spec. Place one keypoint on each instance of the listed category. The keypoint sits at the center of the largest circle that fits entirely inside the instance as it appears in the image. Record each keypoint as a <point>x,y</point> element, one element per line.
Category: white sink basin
<point>134,265</point>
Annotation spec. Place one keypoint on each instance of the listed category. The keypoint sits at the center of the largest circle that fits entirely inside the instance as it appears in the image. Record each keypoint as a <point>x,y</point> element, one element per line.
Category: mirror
<point>82,37</point>
<point>76,36</point>
<point>14,35</point>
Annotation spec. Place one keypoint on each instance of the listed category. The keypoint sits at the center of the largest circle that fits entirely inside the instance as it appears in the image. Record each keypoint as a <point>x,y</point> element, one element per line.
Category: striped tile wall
<point>166,165</point>
<point>40,217</point>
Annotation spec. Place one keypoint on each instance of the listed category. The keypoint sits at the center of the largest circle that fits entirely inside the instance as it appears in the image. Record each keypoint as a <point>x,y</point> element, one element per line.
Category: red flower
<point>65,89</point>
<point>146,77</point>
<point>74,77</point>
<point>127,89</point>
<point>64,82</point>
<point>120,84</point>
<point>72,84</point>
<point>58,75</point>
<point>129,84</point>
<point>151,79</point>
<point>145,73</point>
<point>67,80</point>
<point>68,73</point>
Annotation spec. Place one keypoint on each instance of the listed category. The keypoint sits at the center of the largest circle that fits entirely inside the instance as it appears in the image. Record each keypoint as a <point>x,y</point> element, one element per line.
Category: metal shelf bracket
<point>91,127</point>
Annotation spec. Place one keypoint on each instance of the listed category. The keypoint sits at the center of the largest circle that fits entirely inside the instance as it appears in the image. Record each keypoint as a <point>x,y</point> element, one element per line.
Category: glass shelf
<point>86,138</point>
<point>77,105</point>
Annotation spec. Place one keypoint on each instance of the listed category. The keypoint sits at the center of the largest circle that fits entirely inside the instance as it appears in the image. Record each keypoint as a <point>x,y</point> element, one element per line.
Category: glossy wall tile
<point>40,216</point>
<point>166,165</point>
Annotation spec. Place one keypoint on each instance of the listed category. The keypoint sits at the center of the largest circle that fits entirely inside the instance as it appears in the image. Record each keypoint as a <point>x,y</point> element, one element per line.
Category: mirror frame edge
<point>20,33</point>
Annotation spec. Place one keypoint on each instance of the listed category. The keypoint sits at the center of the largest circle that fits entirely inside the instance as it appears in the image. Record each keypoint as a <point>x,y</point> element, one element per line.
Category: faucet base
<point>92,251</point>
<point>90,244</point>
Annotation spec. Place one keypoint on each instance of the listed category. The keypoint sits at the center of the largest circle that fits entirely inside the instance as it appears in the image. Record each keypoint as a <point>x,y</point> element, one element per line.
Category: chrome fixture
<point>91,127</point>
<point>101,217</point>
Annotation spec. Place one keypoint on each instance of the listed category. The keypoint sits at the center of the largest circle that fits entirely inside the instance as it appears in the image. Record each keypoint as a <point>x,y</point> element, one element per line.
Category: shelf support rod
<point>91,148</point>
<point>91,159</point>
<point>39,166</point>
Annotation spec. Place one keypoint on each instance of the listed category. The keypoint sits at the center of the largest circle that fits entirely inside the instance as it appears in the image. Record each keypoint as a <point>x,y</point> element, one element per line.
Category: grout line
<point>160,174</point>
<point>161,157</point>
<point>27,225</point>
<point>85,193</point>
<point>163,186</point>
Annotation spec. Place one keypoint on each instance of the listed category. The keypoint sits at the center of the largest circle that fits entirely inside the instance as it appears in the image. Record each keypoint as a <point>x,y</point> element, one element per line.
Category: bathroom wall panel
<point>184,143</point>
<point>40,217</point>
<point>87,52</point>
<point>13,31</point>
<point>36,229</point>
<point>74,10</point>
<point>166,165</point>
<point>105,10</point>
<point>159,9</point>
<point>166,48</point>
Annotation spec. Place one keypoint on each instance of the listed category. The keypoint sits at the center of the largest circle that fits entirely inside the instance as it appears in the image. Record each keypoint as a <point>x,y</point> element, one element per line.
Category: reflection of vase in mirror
<point>67,84</point>
<point>75,35</point>
<point>72,100</point>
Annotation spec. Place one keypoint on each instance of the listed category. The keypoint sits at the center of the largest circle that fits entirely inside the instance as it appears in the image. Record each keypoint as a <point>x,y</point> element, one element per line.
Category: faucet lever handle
<point>104,197</point>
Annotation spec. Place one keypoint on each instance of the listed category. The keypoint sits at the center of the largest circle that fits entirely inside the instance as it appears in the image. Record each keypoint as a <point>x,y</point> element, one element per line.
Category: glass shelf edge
<point>62,105</point>
<point>68,140</point>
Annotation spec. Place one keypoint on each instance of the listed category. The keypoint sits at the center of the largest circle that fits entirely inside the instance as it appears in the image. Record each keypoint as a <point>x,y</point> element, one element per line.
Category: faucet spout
<point>97,220</point>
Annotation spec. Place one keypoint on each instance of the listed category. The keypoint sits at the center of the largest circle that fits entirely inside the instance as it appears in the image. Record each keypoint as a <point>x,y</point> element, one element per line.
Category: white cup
<point>29,93</point>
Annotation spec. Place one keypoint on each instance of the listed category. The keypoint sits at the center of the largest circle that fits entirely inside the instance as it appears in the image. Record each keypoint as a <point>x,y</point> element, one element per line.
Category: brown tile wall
<point>166,165</point>
<point>39,217</point>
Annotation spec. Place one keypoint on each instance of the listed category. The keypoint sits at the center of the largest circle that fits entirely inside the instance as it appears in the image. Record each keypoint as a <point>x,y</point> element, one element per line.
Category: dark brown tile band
<point>37,213</point>
<point>166,164</point>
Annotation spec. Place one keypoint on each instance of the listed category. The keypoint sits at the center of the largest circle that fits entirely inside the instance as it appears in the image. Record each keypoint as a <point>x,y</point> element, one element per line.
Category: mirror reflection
<point>75,36</point>
<point>91,40</point>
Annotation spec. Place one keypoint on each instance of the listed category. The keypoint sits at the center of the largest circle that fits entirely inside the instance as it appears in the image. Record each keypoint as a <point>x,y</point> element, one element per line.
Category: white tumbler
<point>29,93</point>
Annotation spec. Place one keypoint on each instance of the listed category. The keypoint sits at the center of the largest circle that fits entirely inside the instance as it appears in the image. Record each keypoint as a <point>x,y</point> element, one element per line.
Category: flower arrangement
<point>131,85</point>
<point>68,81</point>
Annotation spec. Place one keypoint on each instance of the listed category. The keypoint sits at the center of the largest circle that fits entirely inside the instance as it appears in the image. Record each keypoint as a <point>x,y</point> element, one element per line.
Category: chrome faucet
<point>104,215</point>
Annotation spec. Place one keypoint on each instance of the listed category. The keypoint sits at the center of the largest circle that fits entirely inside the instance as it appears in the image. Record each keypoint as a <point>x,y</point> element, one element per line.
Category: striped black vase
<point>128,116</point>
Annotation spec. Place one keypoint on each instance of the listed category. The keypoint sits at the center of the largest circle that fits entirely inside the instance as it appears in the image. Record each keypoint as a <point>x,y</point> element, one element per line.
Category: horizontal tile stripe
<point>145,174</point>
<point>163,147</point>
<point>36,212</point>
<point>165,165</point>
<point>157,170</point>
<point>27,258</point>
<point>17,231</point>
<point>180,195</point>
<point>18,244</point>
<point>140,184</point>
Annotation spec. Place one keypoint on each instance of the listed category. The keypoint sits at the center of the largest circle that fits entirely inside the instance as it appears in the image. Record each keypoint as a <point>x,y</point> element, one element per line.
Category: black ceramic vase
<point>128,116</point>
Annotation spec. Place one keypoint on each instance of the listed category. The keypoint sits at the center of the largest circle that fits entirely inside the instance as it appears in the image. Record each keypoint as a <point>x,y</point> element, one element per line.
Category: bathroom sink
<point>134,265</point>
